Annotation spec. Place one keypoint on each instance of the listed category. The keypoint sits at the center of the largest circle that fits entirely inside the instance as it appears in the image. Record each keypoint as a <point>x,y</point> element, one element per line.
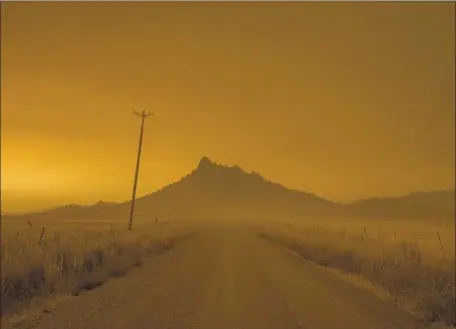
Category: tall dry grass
<point>422,285</point>
<point>72,260</point>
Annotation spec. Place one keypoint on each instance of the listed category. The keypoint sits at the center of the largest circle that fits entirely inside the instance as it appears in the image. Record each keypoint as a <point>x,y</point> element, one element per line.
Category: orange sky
<point>346,100</point>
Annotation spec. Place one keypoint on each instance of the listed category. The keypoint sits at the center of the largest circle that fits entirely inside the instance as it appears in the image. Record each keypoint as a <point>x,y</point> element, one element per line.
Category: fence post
<point>416,241</point>
<point>41,236</point>
<point>365,231</point>
<point>394,231</point>
<point>441,245</point>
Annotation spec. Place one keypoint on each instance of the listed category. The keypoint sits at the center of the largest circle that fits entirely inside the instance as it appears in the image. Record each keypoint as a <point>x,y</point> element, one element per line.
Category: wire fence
<point>441,240</point>
<point>43,232</point>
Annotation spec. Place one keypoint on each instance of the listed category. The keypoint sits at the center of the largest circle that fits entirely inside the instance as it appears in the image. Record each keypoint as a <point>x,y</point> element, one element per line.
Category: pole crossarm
<point>143,114</point>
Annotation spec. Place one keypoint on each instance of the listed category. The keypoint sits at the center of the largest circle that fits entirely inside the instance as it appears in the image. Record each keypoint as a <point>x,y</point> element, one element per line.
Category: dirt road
<point>224,278</point>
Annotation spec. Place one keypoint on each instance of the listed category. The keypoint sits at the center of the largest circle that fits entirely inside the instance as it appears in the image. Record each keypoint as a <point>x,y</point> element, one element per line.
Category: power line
<point>143,116</point>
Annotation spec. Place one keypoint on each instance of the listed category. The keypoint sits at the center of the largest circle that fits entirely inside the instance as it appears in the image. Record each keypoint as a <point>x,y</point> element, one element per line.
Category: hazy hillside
<point>433,204</point>
<point>215,191</point>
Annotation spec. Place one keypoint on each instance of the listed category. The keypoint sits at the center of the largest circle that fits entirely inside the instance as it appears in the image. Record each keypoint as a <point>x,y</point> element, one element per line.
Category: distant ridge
<point>439,203</point>
<point>213,191</point>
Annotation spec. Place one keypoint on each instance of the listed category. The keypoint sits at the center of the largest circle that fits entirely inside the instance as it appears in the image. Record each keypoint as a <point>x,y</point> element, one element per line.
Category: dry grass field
<point>403,259</point>
<point>70,257</point>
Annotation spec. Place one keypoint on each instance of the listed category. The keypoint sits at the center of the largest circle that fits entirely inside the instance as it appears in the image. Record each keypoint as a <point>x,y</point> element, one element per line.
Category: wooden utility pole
<point>143,116</point>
